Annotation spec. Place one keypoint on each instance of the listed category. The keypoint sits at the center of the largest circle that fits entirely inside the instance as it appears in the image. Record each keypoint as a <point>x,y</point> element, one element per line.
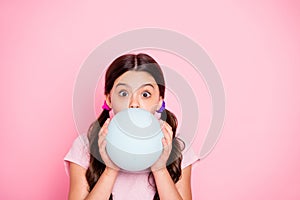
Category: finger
<point>103,130</point>
<point>102,148</point>
<point>164,143</point>
<point>168,127</point>
<point>164,123</point>
<point>167,134</point>
<point>101,139</point>
<point>161,122</point>
<point>166,148</point>
<point>105,125</point>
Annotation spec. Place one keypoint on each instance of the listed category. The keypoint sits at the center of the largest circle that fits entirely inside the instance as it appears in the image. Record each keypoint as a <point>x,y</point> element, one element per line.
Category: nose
<point>134,102</point>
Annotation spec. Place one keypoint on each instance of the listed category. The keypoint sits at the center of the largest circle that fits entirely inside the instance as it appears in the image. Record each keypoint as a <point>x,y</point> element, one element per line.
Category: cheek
<point>151,105</point>
<point>119,103</point>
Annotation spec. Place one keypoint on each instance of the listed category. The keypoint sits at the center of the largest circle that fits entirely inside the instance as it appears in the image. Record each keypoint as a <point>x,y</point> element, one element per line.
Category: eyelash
<point>123,91</point>
<point>147,93</point>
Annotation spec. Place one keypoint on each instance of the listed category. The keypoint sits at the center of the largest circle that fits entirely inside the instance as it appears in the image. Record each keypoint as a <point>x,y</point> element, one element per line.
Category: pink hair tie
<point>105,106</point>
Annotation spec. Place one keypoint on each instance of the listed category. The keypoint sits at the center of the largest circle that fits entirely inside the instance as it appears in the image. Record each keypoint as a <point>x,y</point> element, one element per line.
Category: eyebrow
<point>126,85</point>
<point>120,84</point>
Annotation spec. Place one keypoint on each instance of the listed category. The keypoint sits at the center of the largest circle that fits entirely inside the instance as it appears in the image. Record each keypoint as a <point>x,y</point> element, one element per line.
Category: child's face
<point>134,90</point>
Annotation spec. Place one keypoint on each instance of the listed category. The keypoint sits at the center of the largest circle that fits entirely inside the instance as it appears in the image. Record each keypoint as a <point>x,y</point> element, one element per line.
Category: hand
<point>167,147</point>
<point>102,144</point>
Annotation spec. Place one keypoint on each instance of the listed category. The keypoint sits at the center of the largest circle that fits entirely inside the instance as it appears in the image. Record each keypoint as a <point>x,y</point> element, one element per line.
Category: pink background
<point>254,45</point>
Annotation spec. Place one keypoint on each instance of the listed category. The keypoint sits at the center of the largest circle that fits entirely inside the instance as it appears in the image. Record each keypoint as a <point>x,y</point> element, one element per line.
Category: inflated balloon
<point>134,139</point>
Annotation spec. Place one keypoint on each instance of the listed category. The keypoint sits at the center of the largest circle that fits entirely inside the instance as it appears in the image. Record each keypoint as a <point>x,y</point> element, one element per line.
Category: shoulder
<point>78,153</point>
<point>189,157</point>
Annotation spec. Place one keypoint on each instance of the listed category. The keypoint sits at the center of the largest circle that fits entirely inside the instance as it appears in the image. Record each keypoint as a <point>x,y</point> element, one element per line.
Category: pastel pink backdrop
<point>255,46</point>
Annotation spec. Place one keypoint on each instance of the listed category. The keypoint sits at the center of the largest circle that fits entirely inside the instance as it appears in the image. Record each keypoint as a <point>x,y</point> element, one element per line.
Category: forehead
<point>135,78</point>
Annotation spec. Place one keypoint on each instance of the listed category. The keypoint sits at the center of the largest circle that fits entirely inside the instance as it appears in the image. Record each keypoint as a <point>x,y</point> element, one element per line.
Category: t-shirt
<point>127,185</point>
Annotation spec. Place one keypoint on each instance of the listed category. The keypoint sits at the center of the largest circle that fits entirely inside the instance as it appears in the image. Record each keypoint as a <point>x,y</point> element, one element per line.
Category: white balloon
<point>134,139</point>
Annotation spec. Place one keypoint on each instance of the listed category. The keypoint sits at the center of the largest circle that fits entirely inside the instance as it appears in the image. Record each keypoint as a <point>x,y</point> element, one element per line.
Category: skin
<point>132,90</point>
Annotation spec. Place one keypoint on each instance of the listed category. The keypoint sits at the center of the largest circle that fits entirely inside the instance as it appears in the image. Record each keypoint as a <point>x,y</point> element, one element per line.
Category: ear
<point>108,100</point>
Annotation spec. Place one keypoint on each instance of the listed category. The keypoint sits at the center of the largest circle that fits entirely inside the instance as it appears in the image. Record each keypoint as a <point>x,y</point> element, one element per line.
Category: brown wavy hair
<point>124,63</point>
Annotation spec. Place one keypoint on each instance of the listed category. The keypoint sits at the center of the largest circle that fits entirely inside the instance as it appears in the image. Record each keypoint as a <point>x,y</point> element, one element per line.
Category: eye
<point>123,93</point>
<point>146,94</point>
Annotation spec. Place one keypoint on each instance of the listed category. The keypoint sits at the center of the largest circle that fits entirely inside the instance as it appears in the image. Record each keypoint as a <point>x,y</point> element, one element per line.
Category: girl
<point>131,81</point>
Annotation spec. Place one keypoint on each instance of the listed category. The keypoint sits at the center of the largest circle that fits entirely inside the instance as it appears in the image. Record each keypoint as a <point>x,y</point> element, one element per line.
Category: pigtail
<point>96,166</point>
<point>175,158</point>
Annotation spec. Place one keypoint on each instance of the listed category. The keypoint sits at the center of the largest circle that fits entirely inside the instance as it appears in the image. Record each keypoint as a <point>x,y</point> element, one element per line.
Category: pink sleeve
<point>78,153</point>
<point>189,157</point>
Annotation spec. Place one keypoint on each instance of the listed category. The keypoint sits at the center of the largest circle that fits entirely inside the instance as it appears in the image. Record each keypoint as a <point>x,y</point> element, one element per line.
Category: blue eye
<point>123,93</point>
<point>146,94</point>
